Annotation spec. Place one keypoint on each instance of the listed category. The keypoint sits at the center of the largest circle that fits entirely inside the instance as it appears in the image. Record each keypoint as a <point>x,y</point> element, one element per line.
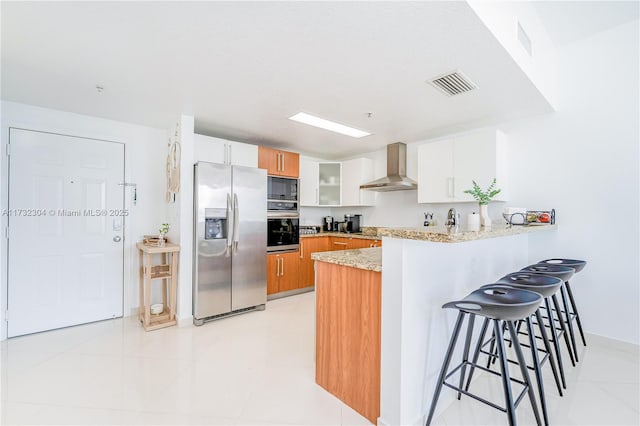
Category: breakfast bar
<point>419,270</point>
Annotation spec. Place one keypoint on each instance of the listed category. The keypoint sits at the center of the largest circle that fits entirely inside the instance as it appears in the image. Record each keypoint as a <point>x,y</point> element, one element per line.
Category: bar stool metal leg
<point>565,333</point>
<point>536,364</point>
<point>575,311</point>
<point>524,370</point>
<point>547,347</point>
<point>569,320</point>
<point>556,344</point>
<point>504,369</point>
<point>445,366</point>
<point>465,354</point>
<point>476,353</point>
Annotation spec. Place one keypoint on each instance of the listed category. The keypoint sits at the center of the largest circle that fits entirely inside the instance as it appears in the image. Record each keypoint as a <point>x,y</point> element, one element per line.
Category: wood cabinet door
<point>269,158</point>
<point>273,273</point>
<point>289,271</point>
<point>306,270</point>
<point>289,164</point>
<point>338,243</point>
<point>357,243</point>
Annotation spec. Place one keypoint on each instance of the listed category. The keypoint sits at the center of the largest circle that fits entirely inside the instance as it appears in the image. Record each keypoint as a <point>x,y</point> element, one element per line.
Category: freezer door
<point>212,240</point>
<point>249,244</point>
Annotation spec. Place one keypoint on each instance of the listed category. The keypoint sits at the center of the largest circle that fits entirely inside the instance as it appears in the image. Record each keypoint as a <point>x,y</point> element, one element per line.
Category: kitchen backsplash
<point>399,209</point>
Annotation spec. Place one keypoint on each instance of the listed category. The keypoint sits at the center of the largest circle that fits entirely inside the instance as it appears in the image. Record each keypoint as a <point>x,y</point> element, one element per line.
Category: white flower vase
<point>485,220</point>
<point>161,240</point>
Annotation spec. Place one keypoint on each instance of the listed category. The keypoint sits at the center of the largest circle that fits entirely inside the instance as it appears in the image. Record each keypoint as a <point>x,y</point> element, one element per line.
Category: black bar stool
<point>578,265</point>
<point>564,273</point>
<point>546,286</point>
<point>499,304</point>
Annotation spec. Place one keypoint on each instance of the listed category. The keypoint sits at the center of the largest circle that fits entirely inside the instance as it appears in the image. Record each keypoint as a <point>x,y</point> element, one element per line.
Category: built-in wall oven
<point>283,232</point>
<point>282,194</point>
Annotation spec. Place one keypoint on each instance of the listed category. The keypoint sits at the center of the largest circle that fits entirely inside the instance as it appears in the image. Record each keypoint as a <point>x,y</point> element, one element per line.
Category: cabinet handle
<point>450,187</point>
<point>317,196</point>
<point>340,244</point>
<point>230,154</point>
<point>301,250</point>
<point>282,270</point>
<point>278,160</point>
<point>282,162</point>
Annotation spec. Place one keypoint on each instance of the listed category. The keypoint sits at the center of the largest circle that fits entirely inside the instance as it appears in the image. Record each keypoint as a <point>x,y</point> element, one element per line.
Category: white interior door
<point>66,227</point>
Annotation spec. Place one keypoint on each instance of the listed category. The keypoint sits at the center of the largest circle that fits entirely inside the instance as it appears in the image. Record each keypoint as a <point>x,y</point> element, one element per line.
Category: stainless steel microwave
<point>282,194</point>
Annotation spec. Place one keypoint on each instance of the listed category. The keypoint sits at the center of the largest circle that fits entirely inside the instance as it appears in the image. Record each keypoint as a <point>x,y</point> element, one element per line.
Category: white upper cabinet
<point>355,173</point>
<point>435,172</point>
<point>309,180</point>
<point>222,151</point>
<point>447,167</point>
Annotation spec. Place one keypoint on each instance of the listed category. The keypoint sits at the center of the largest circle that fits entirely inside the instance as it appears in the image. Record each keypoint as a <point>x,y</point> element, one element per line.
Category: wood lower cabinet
<point>310,245</point>
<point>348,335</point>
<point>278,162</point>
<point>282,272</point>
<point>350,243</point>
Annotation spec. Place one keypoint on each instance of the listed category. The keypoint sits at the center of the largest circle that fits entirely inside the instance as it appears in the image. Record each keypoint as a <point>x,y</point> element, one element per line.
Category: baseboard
<point>610,342</point>
<point>288,293</point>
<point>185,321</point>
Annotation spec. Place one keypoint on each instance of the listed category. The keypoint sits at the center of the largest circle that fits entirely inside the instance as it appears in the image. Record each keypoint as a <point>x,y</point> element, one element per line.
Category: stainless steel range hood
<point>396,178</point>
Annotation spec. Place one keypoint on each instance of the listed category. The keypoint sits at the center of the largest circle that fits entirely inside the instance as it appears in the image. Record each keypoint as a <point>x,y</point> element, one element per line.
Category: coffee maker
<point>352,223</point>
<point>327,223</point>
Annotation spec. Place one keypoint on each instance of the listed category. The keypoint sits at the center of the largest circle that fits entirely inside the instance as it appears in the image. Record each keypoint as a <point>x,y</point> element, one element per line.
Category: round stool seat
<point>501,303</point>
<point>563,272</point>
<point>546,285</point>
<point>578,265</point>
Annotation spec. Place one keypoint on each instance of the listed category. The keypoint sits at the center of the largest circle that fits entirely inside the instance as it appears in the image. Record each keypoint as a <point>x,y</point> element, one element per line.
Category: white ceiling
<point>569,21</point>
<point>242,68</point>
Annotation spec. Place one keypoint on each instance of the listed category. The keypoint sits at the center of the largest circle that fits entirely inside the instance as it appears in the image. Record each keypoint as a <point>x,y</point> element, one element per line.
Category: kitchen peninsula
<point>380,330</point>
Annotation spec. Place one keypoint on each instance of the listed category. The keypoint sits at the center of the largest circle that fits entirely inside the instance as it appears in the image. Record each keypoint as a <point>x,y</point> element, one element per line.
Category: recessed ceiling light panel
<point>312,120</point>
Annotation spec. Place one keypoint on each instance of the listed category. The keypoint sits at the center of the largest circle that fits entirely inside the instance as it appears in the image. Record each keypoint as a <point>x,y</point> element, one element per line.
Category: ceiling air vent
<point>453,83</point>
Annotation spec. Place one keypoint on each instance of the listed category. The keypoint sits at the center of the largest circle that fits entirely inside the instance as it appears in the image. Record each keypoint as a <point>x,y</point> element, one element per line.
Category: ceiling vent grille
<point>453,83</point>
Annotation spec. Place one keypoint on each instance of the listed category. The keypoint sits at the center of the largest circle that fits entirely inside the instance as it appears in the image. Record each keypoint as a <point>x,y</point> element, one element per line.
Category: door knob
<point>117,238</point>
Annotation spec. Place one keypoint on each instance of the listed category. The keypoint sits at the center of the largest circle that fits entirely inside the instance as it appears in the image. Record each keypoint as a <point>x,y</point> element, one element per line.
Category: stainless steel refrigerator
<point>230,226</point>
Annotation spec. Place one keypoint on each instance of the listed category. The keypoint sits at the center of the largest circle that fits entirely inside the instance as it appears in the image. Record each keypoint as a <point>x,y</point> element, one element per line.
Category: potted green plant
<point>483,198</point>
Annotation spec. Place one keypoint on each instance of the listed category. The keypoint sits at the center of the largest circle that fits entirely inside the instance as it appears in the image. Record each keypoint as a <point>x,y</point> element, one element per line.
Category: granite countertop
<point>443,234</point>
<point>342,235</point>
<point>369,259</point>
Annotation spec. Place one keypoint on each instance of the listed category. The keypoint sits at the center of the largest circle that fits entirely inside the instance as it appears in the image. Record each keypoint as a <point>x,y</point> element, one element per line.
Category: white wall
<point>145,149</point>
<point>583,161</point>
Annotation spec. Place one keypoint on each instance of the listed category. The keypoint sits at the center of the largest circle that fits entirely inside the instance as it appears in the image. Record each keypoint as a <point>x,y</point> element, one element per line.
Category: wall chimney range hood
<point>396,178</point>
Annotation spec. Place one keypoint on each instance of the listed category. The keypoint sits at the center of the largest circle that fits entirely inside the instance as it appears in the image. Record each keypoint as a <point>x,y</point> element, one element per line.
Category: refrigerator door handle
<point>236,214</point>
<point>229,224</point>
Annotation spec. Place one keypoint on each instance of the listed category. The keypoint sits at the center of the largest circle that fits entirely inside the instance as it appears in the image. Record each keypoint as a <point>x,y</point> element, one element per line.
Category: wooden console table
<point>167,271</point>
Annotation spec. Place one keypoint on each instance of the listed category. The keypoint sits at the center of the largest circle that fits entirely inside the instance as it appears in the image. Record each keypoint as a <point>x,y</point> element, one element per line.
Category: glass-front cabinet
<point>329,184</point>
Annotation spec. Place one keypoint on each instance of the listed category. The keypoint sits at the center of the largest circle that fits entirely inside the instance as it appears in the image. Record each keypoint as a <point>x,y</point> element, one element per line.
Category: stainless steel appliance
<point>396,178</point>
<point>352,223</point>
<point>282,194</point>
<point>230,227</point>
<point>283,233</point>
<point>327,223</point>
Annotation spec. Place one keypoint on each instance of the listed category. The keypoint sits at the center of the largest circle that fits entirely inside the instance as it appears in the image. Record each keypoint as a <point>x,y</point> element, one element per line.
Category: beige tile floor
<point>253,369</point>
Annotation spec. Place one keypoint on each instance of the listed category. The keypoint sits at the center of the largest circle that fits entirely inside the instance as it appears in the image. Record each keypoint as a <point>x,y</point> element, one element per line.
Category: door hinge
<point>6,232</point>
<point>8,150</point>
<point>6,315</point>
